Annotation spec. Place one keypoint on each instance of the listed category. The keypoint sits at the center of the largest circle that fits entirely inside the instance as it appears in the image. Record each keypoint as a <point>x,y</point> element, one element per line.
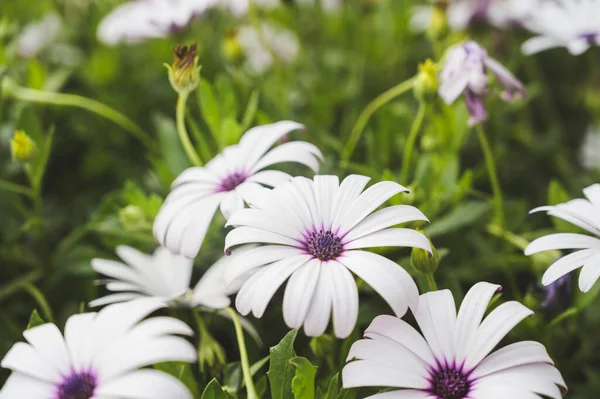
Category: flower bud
<point>22,147</point>
<point>424,261</point>
<point>322,346</point>
<point>232,48</point>
<point>132,218</point>
<point>184,73</point>
<point>426,83</point>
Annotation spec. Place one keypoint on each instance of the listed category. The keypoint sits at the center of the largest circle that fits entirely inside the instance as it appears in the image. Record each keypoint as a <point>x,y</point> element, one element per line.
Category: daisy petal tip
<point>227,251</point>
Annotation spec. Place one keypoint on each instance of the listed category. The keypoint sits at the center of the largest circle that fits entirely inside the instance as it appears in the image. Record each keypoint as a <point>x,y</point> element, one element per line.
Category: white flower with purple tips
<point>228,181</point>
<point>574,24</point>
<point>100,356</point>
<point>451,359</point>
<point>584,213</point>
<point>316,230</point>
<point>466,72</point>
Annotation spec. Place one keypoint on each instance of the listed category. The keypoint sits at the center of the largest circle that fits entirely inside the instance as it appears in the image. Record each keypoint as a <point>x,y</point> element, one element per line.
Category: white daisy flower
<point>227,181</point>
<point>38,35</point>
<point>240,8</point>
<point>506,13</point>
<point>164,276</point>
<point>584,213</point>
<point>317,230</point>
<point>574,24</point>
<point>451,361</point>
<point>99,356</point>
<point>139,20</point>
<point>261,50</point>
<point>327,5</point>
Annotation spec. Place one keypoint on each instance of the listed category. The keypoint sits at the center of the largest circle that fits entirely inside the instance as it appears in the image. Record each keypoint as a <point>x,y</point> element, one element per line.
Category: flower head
<point>452,359</point>
<point>184,73</point>
<point>427,82</point>
<point>22,147</point>
<point>315,231</point>
<point>165,277</point>
<point>227,181</point>
<point>261,48</point>
<point>99,356</point>
<point>466,72</point>
<point>584,213</point>
<point>38,35</point>
<point>574,24</point>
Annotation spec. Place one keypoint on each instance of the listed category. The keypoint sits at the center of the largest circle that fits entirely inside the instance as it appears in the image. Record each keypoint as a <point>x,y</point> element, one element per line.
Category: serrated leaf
<point>214,391</point>
<point>35,320</point>
<point>303,383</point>
<point>281,371</point>
<point>333,390</point>
<point>183,372</point>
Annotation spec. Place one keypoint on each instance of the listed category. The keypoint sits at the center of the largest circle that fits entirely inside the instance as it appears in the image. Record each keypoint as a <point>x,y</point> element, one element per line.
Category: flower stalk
<point>410,141</point>
<point>491,168</point>
<point>239,332</point>
<point>184,137</point>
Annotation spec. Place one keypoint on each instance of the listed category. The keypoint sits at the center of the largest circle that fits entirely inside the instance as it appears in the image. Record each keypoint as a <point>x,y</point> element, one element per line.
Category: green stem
<point>250,389</point>
<point>410,142</point>
<point>491,167</point>
<point>431,282</point>
<point>182,131</point>
<point>11,287</point>
<point>10,88</point>
<point>16,188</point>
<point>41,300</point>
<point>369,110</point>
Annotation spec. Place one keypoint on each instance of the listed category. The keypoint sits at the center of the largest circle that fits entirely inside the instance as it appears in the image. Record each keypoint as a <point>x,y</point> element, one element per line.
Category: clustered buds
<point>184,73</point>
<point>22,147</point>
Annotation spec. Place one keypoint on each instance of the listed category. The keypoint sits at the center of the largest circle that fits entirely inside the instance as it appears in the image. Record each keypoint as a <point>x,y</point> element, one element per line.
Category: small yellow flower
<point>184,73</point>
<point>22,147</point>
<point>427,82</point>
<point>232,48</point>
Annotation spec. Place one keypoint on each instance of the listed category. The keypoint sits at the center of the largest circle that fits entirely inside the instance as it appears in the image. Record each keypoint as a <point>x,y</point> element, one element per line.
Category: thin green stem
<point>10,88</point>
<point>15,285</point>
<point>41,301</point>
<point>239,332</point>
<point>182,131</point>
<point>431,284</point>
<point>410,141</point>
<point>491,167</point>
<point>16,188</point>
<point>366,114</point>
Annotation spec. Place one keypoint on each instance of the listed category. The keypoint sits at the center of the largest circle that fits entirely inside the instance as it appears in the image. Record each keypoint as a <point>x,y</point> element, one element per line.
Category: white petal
<point>567,264</point>
<point>115,270</point>
<point>114,298</point>
<point>256,218</point>
<point>537,377</point>
<point>387,278</point>
<point>384,218</point>
<point>145,384</point>
<point>392,237</point>
<point>319,311</point>
<point>50,345</point>
<point>513,355</point>
<point>246,235</point>
<point>436,316</point>
<point>538,44</point>
<point>589,274</point>
<point>325,189</point>
<point>254,258</point>
<point>593,194</point>
<point>78,331</point>
<point>495,327</point>
<point>272,178</point>
<point>348,192</point>
<point>402,394</point>
<point>231,203</point>
<point>299,293</point>
<point>345,299</point>
<point>578,46</point>
<point>470,315</point>
<point>25,359</point>
<point>366,373</point>
<point>22,386</point>
<point>562,241</point>
<point>195,175</point>
<point>295,151</point>
<point>260,138</point>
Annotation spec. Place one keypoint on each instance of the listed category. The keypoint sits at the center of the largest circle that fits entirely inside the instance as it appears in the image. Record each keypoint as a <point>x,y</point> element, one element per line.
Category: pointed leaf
<point>35,320</point>
<point>281,371</point>
<point>333,390</point>
<point>214,391</point>
<point>303,384</point>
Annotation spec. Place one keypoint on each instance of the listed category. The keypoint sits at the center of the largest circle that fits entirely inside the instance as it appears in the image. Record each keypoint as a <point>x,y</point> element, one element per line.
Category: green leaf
<point>319,394</point>
<point>463,215</point>
<point>281,371</point>
<point>209,107</point>
<point>333,390</point>
<point>250,112</point>
<point>230,131</point>
<point>183,372</point>
<point>557,194</point>
<point>303,383</point>
<point>35,320</point>
<point>214,391</point>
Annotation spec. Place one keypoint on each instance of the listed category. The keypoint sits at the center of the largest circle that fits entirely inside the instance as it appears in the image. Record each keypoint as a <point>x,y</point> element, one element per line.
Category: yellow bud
<point>439,20</point>
<point>232,48</point>
<point>425,261</point>
<point>22,147</point>
<point>184,73</point>
<point>426,84</point>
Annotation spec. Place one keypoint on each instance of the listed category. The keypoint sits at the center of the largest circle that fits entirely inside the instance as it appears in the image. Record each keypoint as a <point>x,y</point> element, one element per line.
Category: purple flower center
<point>324,245</point>
<point>77,386</point>
<point>589,37</point>
<point>450,384</point>
<point>232,181</point>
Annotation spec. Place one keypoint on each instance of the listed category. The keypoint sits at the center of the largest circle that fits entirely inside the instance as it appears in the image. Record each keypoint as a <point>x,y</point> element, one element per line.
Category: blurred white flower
<point>240,8</point>
<point>164,276</point>
<point>138,20</point>
<point>100,355</point>
<point>505,13</point>
<point>327,5</point>
<point>584,213</point>
<point>589,152</point>
<point>261,48</point>
<point>466,72</point>
<point>452,359</point>
<point>315,231</point>
<point>38,35</point>
<point>228,181</point>
<point>574,24</point>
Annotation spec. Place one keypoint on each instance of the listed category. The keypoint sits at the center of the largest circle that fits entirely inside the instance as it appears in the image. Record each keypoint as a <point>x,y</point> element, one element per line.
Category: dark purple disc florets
<point>324,245</point>
<point>450,384</point>
<point>78,385</point>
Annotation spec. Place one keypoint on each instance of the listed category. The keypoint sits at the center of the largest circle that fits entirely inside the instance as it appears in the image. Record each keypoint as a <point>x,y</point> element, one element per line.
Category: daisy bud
<point>426,84</point>
<point>184,74</point>
<point>425,261</point>
<point>211,355</point>
<point>322,346</point>
<point>232,48</point>
<point>132,218</point>
<point>22,147</point>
